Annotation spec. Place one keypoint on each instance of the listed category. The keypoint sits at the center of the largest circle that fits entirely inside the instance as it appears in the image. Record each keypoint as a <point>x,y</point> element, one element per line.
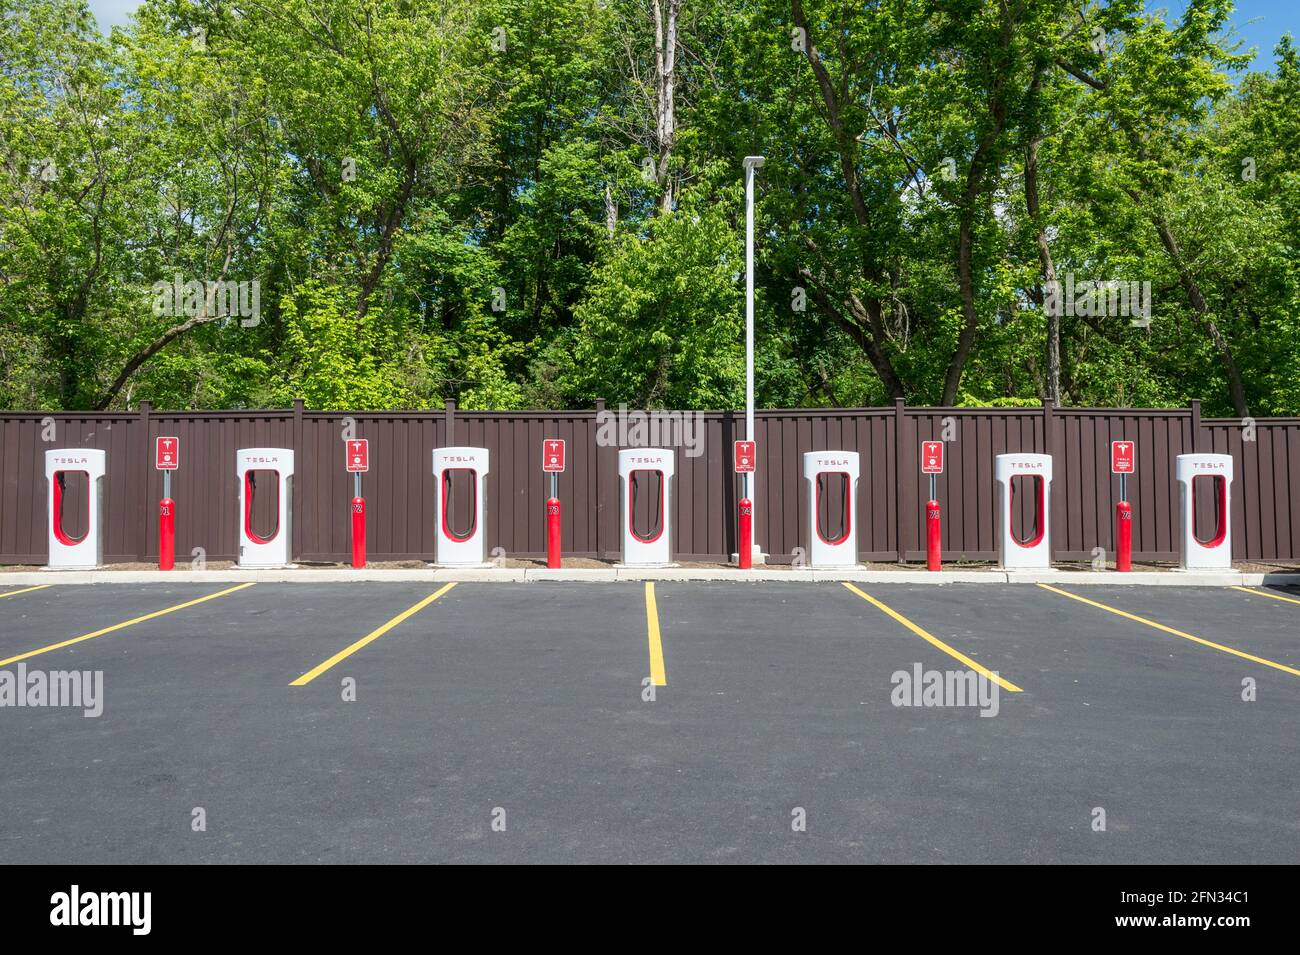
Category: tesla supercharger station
<point>636,465</point>
<point>1033,551</point>
<point>831,547</point>
<point>1215,553</point>
<point>87,551</point>
<point>255,550</point>
<point>453,548</point>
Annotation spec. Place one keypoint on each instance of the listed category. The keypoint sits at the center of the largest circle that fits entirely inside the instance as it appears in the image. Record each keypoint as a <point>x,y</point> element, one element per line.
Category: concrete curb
<point>865,576</point>
<point>1275,579</point>
<point>318,575</point>
<point>589,574</point>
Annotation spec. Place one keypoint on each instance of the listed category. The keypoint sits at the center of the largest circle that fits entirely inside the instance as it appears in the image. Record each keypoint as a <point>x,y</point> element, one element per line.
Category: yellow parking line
<point>1244,590</point>
<point>369,638</point>
<point>1176,633</point>
<point>657,676</point>
<point>124,624</point>
<point>25,590</point>
<point>935,641</point>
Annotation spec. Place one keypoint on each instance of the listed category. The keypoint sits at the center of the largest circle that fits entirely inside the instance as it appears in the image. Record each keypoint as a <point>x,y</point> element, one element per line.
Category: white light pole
<point>752,163</point>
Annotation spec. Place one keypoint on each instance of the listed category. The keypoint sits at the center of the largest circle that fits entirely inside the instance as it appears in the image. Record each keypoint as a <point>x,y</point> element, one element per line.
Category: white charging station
<point>255,550</point>
<point>87,551</point>
<point>1033,551</point>
<point>831,547</point>
<point>635,466</point>
<point>452,547</point>
<point>1214,553</point>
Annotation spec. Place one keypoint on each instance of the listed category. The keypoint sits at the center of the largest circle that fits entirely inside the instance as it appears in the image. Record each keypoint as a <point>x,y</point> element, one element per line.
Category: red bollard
<point>553,539</point>
<point>745,549</point>
<point>166,534</point>
<point>1123,536</point>
<point>358,532</point>
<point>933,544</point>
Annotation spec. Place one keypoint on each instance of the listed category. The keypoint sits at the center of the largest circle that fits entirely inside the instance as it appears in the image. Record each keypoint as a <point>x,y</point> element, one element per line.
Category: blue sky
<point>112,13</point>
<point>1259,22</point>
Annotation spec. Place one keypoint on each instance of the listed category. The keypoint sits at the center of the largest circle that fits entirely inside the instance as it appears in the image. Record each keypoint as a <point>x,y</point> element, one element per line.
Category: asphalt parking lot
<point>664,722</point>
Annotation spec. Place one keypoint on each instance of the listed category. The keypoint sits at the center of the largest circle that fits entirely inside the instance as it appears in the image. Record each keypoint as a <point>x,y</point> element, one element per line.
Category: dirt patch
<point>1273,567</point>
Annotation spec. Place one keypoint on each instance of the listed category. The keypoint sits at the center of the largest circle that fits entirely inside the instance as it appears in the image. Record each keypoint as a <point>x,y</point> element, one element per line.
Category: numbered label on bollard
<point>167,454</point>
<point>358,454</point>
<point>1123,457</point>
<point>553,454</point>
<point>746,454</point>
<point>931,457</point>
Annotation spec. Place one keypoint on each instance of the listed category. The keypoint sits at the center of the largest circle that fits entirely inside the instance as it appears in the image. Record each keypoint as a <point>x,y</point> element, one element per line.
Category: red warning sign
<point>358,454</point>
<point>553,454</point>
<point>1123,457</point>
<point>167,454</point>
<point>746,455</point>
<point>931,457</point>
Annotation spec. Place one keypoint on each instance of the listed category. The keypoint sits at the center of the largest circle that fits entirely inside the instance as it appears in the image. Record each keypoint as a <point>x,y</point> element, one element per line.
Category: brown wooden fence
<point>399,488</point>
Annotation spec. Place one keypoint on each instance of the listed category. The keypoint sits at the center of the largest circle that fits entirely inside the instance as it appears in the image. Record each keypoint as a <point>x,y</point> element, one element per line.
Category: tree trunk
<point>173,333</point>
<point>611,212</point>
<point>1236,387</point>
<point>984,157</point>
<point>665,89</point>
<point>871,338</point>
<point>867,314</point>
<point>965,248</point>
<point>1053,383</point>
